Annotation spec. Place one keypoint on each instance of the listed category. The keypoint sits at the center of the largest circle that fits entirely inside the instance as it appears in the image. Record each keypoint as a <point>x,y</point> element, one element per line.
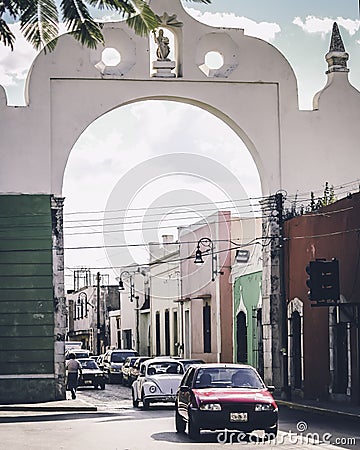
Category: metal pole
<point>98,277</point>
<point>137,325</point>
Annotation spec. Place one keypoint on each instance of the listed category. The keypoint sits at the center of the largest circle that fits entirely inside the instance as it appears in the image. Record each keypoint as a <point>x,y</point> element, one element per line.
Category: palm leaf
<point>39,23</point>
<point>145,20</point>
<point>124,7</point>
<point>6,36</point>
<point>80,23</point>
<point>207,2</point>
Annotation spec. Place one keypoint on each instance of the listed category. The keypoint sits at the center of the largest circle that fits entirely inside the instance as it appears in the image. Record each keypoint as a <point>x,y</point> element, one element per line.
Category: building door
<point>296,349</point>
<point>167,333</point>
<point>157,334</point>
<point>241,338</point>
<point>341,358</point>
<point>207,327</point>
<point>127,339</point>
<point>187,335</point>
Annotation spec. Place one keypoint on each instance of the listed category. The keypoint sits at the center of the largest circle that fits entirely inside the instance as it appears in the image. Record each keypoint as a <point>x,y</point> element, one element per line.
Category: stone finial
<point>336,44</point>
<point>337,56</point>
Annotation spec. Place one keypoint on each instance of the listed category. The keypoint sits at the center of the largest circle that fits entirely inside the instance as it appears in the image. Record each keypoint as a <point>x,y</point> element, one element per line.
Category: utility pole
<point>279,200</point>
<point>98,278</point>
<point>137,324</point>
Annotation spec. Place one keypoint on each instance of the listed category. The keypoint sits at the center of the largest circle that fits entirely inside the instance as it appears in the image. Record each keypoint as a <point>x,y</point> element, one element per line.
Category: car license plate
<point>88,382</point>
<point>238,417</point>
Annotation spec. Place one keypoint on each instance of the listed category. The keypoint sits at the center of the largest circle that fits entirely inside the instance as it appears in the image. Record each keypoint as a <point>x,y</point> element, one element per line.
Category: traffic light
<point>313,282</point>
<point>323,281</point>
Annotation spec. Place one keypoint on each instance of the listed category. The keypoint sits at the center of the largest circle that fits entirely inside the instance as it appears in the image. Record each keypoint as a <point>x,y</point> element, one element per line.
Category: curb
<point>51,406</point>
<point>318,409</point>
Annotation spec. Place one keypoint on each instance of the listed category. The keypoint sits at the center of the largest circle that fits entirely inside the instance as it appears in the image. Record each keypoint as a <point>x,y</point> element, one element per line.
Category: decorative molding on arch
<point>241,307</point>
<point>295,305</point>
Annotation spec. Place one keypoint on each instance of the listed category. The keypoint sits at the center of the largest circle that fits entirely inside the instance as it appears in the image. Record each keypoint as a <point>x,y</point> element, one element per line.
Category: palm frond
<point>39,23</point>
<point>10,7</point>
<point>207,2</point>
<point>80,23</point>
<point>6,36</point>
<point>145,20</point>
<point>123,7</point>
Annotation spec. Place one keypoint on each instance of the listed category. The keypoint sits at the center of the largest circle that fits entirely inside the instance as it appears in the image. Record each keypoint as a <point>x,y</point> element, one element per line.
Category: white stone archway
<point>254,92</point>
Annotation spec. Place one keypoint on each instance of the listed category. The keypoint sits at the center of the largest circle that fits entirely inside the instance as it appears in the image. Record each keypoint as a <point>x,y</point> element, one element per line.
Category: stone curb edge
<point>317,409</point>
<point>49,407</point>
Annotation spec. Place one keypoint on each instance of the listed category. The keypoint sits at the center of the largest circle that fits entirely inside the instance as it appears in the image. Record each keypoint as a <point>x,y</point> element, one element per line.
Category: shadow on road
<point>220,437</point>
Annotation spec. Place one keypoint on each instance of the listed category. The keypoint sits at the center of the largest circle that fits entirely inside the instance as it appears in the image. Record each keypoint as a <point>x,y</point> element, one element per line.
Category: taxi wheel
<point>271,433</point>
<point>180,425</point>
<point>194,430</point>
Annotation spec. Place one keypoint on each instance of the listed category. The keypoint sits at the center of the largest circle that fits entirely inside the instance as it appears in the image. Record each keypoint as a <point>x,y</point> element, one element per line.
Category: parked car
<point>188,362</point>
<point>113,362</point>
<point>158,381</point>
<point>135,369</point>
<point>91,374</point>
<point>78,353</point>
<point>129,362</point>
<point>225,396</point>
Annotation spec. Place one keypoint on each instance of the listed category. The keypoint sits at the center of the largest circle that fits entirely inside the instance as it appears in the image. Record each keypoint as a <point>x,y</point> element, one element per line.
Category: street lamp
<point>132,296</point>
<point>121,284</point>
<point>207,242</point>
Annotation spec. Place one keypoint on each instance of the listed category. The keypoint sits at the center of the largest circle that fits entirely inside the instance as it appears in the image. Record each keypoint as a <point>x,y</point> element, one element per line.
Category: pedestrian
<point>73,369</point>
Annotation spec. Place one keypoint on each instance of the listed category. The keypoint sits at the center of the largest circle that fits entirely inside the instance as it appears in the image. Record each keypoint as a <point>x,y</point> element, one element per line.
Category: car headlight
<point>210,407</point>
<point>264,407</point>
<point>152,389</point>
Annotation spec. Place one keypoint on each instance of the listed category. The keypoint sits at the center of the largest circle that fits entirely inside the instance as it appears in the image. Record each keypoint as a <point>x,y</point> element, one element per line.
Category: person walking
<point>73,369</point>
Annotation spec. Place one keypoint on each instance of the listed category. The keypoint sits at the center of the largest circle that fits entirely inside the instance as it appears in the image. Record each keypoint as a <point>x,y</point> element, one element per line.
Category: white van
<point>73,345</point>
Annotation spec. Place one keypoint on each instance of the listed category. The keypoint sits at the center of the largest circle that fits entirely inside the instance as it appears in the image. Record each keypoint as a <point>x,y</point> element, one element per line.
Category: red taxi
<point>225,396</point>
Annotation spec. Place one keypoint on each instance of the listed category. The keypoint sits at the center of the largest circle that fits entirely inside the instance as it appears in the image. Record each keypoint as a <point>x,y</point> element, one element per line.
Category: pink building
<point>206,289</point>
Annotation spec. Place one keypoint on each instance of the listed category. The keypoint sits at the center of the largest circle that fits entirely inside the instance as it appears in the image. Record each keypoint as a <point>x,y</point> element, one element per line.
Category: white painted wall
<point>255,93</point>
<point>165,291</point>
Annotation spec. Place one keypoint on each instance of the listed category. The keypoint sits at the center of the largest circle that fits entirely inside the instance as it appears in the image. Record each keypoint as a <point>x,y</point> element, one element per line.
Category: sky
<point>128,174</point>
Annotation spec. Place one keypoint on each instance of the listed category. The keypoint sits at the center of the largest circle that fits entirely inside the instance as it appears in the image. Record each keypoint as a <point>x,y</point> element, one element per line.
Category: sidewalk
<point>60,405</point>
<point>325,408</point>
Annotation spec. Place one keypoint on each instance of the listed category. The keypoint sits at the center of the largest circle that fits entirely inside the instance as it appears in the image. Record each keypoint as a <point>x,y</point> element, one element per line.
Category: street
<point>116,425</point>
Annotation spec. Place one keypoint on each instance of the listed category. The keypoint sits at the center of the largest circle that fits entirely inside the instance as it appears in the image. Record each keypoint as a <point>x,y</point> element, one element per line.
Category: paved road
<point>118,426</point>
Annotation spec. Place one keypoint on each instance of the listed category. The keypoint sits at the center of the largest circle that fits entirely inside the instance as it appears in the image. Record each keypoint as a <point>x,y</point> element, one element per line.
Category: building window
<point>207,328</point>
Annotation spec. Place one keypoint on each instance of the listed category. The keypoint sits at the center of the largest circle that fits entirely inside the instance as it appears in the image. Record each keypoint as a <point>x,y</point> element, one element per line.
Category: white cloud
<point>263,30</point>
<point>14,65</point>
<point>323,25</point>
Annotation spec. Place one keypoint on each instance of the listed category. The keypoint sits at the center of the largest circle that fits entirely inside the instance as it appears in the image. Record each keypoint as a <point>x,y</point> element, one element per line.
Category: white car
<point>158,381</point>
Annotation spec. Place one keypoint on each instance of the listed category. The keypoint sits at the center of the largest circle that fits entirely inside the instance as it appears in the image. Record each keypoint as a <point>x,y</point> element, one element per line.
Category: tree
<point>39,19</point>
<point>326,199</point>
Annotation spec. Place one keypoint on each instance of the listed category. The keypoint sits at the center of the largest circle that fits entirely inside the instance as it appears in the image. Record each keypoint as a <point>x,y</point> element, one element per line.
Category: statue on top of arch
<point>163,49</point>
